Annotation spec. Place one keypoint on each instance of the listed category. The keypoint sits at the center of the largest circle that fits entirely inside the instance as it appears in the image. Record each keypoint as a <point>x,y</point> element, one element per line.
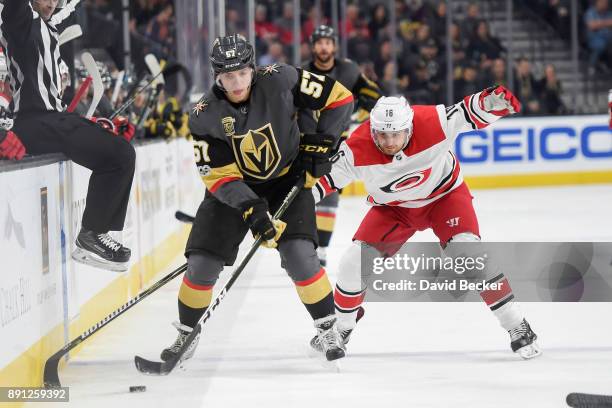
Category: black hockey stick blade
<point>184,217</point>
<point>51,375</point>
<point>580,400</point>
<point>164,368</point>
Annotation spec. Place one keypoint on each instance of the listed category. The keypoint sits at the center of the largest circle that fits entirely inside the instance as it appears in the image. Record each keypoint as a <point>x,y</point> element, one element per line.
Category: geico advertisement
<point>536,145</point>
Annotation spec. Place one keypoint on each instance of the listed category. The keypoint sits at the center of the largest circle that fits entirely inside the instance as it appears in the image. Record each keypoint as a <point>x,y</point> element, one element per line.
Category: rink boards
<point>47,299</point>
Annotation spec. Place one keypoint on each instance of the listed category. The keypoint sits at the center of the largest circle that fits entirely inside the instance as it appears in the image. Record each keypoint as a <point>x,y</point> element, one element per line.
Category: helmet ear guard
<point>391,114</point>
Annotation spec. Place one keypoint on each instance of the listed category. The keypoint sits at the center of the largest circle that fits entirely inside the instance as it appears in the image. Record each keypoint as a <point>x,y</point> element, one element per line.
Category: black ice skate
<point>345,334</point>
<point>173,350</point>
<point>523,341</point>
<point>101,251</point>
<point>328,340</point>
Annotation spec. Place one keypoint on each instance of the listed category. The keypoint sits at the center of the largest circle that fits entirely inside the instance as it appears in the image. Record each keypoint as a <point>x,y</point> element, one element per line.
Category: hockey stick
<point>51,375</point>
<point>70,33</point>
<point>77,97</point>
<point>184,217</point>
<point>153,64</point>
<point>118,83</point>
<point>580,400</point>
<point>165,367</point>
<point>98,86</point>
<point>168,70</point>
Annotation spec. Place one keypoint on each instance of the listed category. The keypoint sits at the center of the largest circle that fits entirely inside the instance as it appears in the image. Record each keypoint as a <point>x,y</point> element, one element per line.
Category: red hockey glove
<point>10,146</point>
<point>124,128</point>
<point>499,101</point>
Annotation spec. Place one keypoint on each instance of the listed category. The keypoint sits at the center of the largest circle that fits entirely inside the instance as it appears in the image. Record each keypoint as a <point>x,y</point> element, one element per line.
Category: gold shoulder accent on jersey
<point>338,95</point>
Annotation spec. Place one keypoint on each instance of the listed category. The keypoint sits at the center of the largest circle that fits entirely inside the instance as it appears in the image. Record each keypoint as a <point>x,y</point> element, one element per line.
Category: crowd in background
<point>419,72</point>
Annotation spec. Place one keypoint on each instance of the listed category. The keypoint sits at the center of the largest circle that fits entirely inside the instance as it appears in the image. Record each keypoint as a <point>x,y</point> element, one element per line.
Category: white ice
<point>253,350</point>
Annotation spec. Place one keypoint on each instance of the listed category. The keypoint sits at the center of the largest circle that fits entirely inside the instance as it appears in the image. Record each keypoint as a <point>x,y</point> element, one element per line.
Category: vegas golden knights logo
<point>228,125</point>
<point>256,152</point>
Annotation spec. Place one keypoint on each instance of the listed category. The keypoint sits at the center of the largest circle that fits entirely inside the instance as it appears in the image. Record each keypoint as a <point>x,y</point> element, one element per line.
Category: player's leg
<point>213,243</point>
<point>454,221</point>
<point>382,232</point>
<point>112,161</point>
<point>326,220</point>
<point>299,259</point>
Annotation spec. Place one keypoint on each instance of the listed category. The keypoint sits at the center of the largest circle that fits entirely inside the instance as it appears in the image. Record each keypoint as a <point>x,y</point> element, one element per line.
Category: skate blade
<point>87,258</point>
<point>530,351</point>
<point>331,366</point>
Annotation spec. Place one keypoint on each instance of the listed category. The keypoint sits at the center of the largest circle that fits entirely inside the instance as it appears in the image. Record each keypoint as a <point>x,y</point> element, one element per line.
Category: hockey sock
<point>316,294</point>
<point>347,304</point>
<point>501,302</point>
<point>326,220</point>
<point>193,300</point>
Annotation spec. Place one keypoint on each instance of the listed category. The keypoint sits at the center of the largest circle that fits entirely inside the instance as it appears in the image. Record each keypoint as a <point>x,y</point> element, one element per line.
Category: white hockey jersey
<point>423,172</point>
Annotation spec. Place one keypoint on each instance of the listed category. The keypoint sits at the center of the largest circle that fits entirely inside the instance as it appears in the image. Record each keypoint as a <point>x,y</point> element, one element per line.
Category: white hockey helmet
<point>391,114</point>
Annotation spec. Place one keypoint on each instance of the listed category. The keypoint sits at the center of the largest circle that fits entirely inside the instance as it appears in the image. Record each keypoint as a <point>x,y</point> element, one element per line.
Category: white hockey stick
<point>70,33</point>
<point>118,84</point>
<point>98,87</point>
<point>153,65</point>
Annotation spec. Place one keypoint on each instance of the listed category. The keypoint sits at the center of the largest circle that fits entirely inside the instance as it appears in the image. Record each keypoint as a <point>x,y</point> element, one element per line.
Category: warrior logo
<point>407,181</point>
<point>256,152</point>
<point>228,126</point>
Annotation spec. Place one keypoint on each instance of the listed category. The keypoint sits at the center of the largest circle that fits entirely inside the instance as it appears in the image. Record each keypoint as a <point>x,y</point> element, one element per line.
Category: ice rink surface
<point>253,350</point>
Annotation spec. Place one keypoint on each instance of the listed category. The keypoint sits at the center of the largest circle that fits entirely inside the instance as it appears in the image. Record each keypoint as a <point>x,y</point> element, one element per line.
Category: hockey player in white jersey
<point>414,182</point>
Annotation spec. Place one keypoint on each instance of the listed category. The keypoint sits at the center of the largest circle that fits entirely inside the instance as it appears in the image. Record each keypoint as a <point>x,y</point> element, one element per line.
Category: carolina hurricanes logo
<point>407,181</point>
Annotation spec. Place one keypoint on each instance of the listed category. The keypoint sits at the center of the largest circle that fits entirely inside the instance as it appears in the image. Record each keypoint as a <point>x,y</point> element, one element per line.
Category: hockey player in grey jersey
<point>247,148</point>
<point>366,92</point>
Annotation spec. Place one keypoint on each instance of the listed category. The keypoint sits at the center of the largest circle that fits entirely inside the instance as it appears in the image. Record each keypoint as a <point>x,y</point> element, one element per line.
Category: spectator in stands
<point>598,19</point>
<point>419,91</point>
<point>360,47</point>
<point>471,20</point>
<point>161,28</point>
<point>285,24</point>
<point>526,87</point>
<point>391,75</point>
<point>483,47</point>
<point>311,22</point>
<point>416,9</point>
<point>379,23</point>
<point>459,44</point>
<point>550,92</point>
<point>233,22</point>
<point>496,74</point>
<point>382,57</point>
<point>275,54</point>
<point>353,21</point>
<point>437,21</point>
<point>264,29</point>
<point>468,84</point>
<point>435,66</point>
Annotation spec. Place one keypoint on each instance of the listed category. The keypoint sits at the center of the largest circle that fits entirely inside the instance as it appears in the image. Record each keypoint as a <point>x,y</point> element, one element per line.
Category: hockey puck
<point>138,388</point>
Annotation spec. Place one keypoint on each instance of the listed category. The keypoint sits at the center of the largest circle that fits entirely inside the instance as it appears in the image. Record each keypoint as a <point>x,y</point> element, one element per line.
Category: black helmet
<point>322,31</point>
<point>231,53</point>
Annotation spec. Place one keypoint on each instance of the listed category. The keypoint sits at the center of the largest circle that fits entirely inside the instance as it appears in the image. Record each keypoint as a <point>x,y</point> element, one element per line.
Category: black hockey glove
<point>255,214</point>
<point>315,151</point>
